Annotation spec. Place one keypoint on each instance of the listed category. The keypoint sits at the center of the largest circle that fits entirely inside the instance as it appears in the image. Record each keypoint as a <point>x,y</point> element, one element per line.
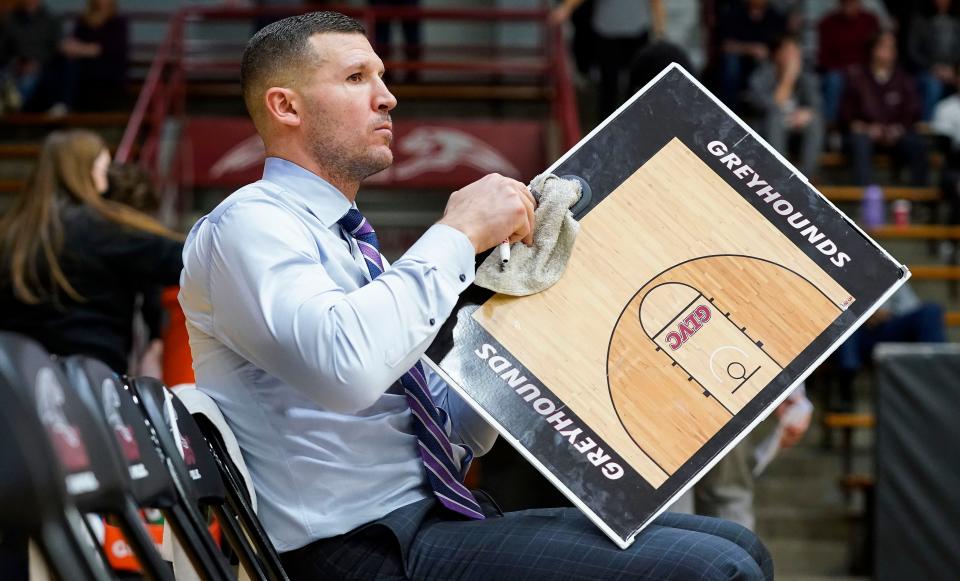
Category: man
<point>787,99</point>
<point>727,491</point>
<point>881,109</point>
<point>312,350</point>
<point>843,36</point>
<point>746,30</point>
<point>29,41</point>
<point>622,28</point>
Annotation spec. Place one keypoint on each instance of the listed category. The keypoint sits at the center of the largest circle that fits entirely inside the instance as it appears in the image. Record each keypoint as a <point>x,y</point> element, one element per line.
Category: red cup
<point>901,212</point>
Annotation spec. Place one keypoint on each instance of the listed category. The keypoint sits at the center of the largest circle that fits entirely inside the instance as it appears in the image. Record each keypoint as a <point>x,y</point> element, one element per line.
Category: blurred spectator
<point>583,41</point>
<point>97,54</point>
<point>745,30</point>
<point>652,59</point>
<point>787,98</point>
<point>935,50</point>
<point>684,27</point>
<point>29,40</point>
<point>904,318</point>
<point>727,490</point>
<point>880,108</point>
<point>410,29</point>
<point>844,36</point>
<point>288,6</point>
<point>901,15</point>
<point>283,8</point>
<point>131,185</point>
<point>73,262</point>
<point>946,124</point>
<point>622,28</point>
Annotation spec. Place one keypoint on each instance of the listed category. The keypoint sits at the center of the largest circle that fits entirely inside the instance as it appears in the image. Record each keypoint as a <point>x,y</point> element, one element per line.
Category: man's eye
<point>356,77</point>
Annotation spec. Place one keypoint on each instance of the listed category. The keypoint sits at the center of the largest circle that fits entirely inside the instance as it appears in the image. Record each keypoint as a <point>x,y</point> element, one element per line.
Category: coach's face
<point>347,121</point>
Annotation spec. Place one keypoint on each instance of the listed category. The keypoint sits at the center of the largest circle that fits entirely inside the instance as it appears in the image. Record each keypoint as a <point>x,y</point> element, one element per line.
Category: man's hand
<point>892,134</point>
<point>792,431</point>
<point>945,73</point>
<point>490,210</point>
<point>800,118</point>
<point>758,50</point>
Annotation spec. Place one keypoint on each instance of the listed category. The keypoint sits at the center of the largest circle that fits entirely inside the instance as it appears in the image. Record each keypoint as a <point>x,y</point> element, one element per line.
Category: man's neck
<point>346,187</point>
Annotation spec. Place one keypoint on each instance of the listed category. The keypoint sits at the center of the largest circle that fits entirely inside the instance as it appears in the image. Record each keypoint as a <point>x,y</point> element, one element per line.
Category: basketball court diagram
<point>689,308</point>
<point>623,377</point>
<point>703,338</point>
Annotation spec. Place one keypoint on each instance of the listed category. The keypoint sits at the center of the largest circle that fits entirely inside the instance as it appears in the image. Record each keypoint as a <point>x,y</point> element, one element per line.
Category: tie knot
<point>354,223</point>
<point>361,230</point>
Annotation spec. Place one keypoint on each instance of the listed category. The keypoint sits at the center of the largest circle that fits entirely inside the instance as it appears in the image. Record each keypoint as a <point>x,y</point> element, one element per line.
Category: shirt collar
<point>316,194</point>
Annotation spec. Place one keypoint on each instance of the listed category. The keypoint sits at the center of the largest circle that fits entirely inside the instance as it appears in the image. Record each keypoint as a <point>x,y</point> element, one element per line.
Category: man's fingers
<point>524,231</point>
<point>529,204</point>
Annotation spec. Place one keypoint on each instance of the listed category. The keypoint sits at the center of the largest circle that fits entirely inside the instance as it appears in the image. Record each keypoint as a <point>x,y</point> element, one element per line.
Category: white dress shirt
<point>301,352</point>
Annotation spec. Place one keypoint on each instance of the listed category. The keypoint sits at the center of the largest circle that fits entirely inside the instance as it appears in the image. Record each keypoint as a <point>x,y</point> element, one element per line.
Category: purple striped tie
<point>436,450</point>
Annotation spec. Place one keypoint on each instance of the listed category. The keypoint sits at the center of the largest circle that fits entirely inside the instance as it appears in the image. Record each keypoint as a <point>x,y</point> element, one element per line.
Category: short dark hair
<point>283,47</point>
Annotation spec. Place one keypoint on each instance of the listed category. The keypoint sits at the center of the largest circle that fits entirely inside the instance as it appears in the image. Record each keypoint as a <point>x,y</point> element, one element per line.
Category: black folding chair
<point>231,497</point>
<point>193,482</point>
<point>45,454</point>
<point>97,387</point>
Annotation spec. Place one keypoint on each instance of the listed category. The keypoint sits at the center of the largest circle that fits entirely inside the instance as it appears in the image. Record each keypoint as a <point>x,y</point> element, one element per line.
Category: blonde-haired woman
<point>72,262</point>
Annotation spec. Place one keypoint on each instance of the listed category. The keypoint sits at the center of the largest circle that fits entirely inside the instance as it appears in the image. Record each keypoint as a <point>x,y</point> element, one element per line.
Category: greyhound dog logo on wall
<point>423,150</point>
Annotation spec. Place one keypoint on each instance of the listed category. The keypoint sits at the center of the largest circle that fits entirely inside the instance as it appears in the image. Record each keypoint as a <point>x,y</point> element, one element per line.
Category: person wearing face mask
<point>73,262</point>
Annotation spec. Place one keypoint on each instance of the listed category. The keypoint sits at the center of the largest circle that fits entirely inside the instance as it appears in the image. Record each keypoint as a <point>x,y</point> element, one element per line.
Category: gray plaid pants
<point>423,541</point>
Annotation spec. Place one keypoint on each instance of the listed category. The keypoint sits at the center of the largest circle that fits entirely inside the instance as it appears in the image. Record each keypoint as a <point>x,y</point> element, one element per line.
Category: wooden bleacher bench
<point>107,118</point>
<point>452,92</point>
<point>11,186</point>
<point>837,159</point>
<point>855,193</point>
<point>935,272</point>
<point>849,420</point>
<point>917,231</point>
<point>32,150</point>
<point>852,482</point>
<point>19,150</point>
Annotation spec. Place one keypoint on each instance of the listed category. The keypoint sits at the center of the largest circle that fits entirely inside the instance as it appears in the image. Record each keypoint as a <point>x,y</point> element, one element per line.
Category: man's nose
<point>385,101</point>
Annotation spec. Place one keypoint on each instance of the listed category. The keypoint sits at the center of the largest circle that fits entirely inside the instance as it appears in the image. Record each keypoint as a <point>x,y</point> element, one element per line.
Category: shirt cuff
<point>450,251</point>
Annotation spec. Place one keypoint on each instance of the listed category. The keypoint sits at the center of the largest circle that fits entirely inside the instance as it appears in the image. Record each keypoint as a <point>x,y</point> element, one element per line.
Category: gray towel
<point>532,269</point>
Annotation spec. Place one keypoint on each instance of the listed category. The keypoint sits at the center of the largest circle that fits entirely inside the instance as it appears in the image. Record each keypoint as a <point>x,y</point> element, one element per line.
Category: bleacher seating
<point>21,134</point>
<point>855,193</point>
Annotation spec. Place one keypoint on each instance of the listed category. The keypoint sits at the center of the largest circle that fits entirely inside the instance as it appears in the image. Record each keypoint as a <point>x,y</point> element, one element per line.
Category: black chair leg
<point>235,536</point>
<point>64,549</point>
<point>197,545</point>
<point>241,507</point>
<point>153,566</point>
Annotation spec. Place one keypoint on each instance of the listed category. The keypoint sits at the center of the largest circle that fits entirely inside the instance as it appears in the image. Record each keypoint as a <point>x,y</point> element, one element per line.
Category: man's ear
<point>283,105</point>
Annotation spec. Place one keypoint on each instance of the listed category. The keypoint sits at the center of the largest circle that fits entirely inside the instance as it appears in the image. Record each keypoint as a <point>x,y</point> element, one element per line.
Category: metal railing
<point>180,62</point>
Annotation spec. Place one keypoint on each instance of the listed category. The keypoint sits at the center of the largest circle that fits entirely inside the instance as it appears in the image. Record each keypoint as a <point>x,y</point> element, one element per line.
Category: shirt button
<point>463,278</point>
<point>433,321</point>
